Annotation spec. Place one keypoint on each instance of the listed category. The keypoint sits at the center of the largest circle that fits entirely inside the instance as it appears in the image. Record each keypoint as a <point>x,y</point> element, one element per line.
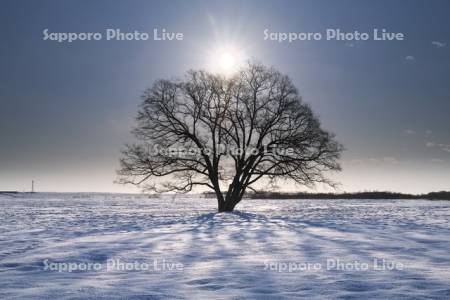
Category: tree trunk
<point>227,206</point>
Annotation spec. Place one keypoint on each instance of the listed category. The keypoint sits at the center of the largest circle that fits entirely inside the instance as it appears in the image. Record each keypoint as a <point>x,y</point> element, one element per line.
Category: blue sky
<point>67,108</point>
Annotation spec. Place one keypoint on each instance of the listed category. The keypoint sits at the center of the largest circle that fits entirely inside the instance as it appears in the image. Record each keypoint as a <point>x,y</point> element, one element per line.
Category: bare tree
<point>226,134</point>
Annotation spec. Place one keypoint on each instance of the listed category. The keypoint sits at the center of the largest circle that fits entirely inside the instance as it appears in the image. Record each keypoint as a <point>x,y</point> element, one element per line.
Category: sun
<point>227,62</point>
<point>226,59</point>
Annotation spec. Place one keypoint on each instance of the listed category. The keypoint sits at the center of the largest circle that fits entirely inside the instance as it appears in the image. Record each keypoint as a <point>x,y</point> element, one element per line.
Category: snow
<point>242,255</point>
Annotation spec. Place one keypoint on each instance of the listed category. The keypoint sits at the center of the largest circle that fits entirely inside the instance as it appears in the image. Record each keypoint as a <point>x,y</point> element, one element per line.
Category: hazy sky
<point>67,108</point>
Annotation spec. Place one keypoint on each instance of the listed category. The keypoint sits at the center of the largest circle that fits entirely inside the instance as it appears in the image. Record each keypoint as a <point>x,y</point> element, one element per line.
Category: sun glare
<point>226,60</point>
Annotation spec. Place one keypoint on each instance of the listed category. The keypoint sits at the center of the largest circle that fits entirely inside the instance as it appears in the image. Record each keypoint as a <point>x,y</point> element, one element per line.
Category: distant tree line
<point>375,195</point>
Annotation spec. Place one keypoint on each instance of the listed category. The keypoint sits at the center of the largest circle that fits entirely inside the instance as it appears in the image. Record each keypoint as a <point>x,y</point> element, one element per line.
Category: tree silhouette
<point>227,133</point>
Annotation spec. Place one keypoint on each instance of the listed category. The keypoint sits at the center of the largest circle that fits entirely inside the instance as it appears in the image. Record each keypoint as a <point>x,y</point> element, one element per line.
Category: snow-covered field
<point>179,248</point>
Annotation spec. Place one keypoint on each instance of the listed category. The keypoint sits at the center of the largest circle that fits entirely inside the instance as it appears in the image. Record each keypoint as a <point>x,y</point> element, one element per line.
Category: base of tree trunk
<point>226,210</point>
<point>226,207</point>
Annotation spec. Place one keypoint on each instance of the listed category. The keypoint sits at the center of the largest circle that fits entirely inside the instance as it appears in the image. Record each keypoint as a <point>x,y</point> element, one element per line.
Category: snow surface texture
<point>242,255</point>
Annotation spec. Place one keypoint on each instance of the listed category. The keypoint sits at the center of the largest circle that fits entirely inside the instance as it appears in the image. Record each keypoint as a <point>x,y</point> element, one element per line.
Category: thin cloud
<point>391,160</point>
<point>410,132</point>
<point>410,58</point>
<point>439,44</point>
<point>443,147</point>
<point>437,160</point>
<point>375,160</point>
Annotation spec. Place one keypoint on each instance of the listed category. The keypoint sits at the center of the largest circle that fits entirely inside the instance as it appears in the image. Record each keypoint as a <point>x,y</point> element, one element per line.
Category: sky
<point>67,108</point>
